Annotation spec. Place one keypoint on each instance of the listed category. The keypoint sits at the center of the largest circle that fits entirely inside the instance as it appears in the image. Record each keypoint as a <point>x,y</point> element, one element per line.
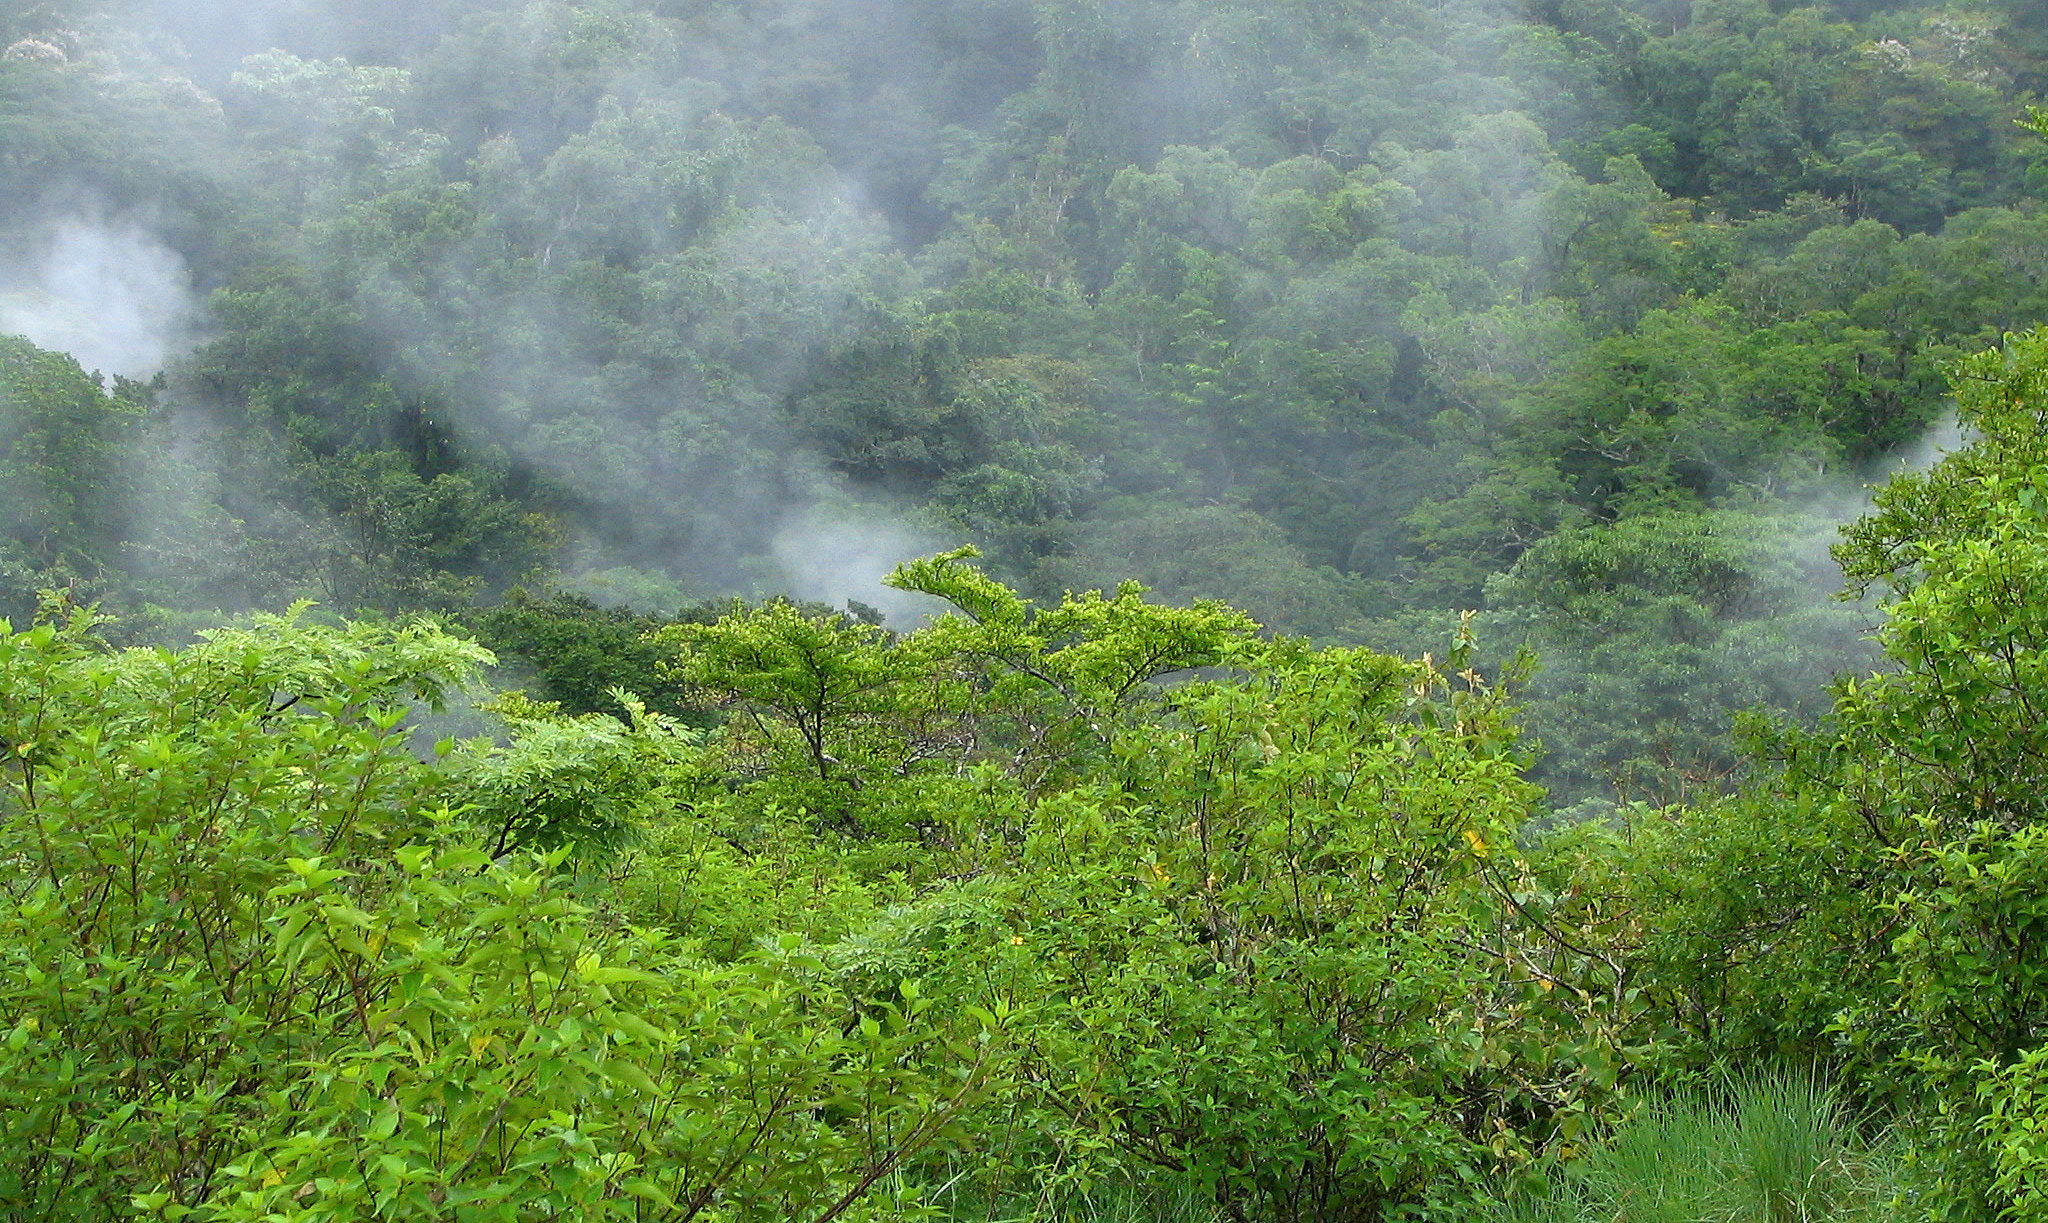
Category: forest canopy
<point>1320,610</point>
<point>1360,314</point>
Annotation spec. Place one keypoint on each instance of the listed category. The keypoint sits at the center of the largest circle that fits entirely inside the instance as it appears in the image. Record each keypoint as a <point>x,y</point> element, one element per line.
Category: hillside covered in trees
<point>994,609</point>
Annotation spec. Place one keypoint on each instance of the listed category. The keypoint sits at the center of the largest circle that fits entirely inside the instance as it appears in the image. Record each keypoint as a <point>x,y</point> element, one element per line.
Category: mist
<point>106,290</point>
<point>838,555</point>
<point>828,163</point>
<point>1403,430</point>
<point>1355,315</point>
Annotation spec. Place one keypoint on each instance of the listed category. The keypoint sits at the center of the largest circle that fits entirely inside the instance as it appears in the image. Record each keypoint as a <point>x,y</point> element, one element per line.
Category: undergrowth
<point>1780,1148</point>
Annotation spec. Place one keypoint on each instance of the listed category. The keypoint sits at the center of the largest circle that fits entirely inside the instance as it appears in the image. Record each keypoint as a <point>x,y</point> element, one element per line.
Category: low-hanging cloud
<point>107,291</point>
<point>840,554</point>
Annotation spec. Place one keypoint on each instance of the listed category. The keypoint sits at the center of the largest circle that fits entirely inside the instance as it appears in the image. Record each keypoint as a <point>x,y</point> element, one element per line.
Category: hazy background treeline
<point>1594,315</point>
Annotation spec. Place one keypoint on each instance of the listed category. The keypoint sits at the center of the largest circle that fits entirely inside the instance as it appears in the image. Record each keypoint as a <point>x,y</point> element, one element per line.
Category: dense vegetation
<point>1216,358</point>
<point>1593,316</point>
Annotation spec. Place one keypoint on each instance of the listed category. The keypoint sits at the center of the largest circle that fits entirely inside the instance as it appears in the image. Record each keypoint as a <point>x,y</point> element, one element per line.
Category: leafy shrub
<point>250,970</point>
<point>1875,901</point>
<point>1280,948</point>
<point>587,781</point>
<point>1265,930</point>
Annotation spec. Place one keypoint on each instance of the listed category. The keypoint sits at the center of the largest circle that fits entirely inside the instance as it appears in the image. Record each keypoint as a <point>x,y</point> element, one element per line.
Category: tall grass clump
<point>1777,1148</point>
<point>1119,1199</point>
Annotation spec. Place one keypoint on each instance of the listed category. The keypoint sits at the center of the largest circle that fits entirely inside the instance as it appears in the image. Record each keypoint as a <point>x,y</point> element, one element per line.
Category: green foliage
<point>1138,1199</point>
<point>152,800</point>
<point>1777,1149</point>
<point>817,690</point>
<point>1093,650</point>
<point>1665,418</point>
<point>402,541</point>
<point>253,971</point>
<point>1331,309</point>
<point>1357,315</point>
<point>580,651</point>
<point>1280,950</point>
<point>587,781</point>
<point>62,442</point>
<point>724,877</point>
<point>869,717</point>
<point>1266,930</point>
<point>1870,900</point>
<point>1181,552</point>
<point>1645,622</point>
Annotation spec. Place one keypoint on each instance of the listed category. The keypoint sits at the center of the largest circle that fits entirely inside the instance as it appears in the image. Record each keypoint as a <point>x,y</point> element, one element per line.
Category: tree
<point>863,727</point>
<point>1657,632</point>
<point>582,652</point>
<point>1278,940</point>
<point>63,447</point>
<point>826,678</point>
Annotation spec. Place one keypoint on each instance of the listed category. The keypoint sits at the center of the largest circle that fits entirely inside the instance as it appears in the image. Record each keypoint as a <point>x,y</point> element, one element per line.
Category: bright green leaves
<point>255,966</point>
<point>1266,925</point>
<point>1276,944</point>
<point>2001,397</point>
<point>1957,733</point>
<point>861,710</point>
<point>1093,650</point>
<point>2036,121</point>
<point>1946,758</point>
<point>1257,923</point>
<point>156,803</point>
<point>587,781</point>
<point>497,1054</point>
<point>1876,900</point>
<point>820,685</point>
<point>976,595</point>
